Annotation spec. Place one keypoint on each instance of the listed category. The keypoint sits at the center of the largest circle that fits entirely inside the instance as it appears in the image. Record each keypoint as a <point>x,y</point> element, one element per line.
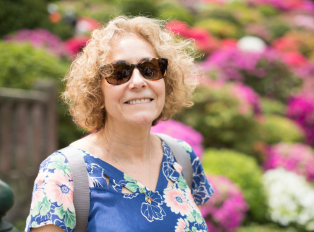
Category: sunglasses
<point>121,72</point>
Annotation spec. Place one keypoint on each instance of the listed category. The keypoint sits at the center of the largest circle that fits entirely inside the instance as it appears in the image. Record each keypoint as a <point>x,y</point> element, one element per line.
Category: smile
<point>137,101</point>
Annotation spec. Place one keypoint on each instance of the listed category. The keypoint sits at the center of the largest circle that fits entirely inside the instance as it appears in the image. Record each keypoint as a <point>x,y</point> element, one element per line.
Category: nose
<point>137,80</point>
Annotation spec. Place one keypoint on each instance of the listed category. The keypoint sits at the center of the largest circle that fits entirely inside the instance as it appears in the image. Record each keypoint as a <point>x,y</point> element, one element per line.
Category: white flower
<point>251,44</point>
<point>290,198</point>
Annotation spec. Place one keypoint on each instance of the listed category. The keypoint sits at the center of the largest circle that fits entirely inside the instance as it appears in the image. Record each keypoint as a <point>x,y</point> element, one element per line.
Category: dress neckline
<point>119,175</point>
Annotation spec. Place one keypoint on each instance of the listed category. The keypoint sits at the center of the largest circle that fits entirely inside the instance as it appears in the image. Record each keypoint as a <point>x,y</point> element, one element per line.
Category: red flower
<point>75,44</point>
<point>294,59</point>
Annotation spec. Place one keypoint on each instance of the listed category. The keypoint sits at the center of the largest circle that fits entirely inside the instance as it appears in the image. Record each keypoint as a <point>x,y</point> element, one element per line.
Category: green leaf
<point>60,212</point>
<point>70,219</point>
<point>59,164</point>
<point>35,210</point>
<point>128,178</point>
<point>198,217</point>
<point>182,182</point>
<point>132,187</point>
<point>190,218</point>
<point>194,229</point>
<point>45,207</point>
<point>34,224</point>
<point>186,146</point>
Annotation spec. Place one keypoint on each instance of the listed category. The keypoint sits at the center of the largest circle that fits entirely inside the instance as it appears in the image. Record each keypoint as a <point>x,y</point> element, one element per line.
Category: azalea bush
<point>301,110</point>
<point>297,157</point>
<point>226,209</point>
<point>264,72</point>
<point>182,132</point>
<point>244,172</point>
<point>39,38</point>
<point>225,115</point>
<point>290,198</point>
<point>275,129</point>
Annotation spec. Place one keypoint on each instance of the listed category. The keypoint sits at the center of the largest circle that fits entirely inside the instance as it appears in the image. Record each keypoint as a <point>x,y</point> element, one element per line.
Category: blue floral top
<point>171,208</point>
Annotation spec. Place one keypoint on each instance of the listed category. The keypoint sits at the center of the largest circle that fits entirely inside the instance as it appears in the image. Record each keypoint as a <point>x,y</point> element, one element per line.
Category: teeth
<point>138,101</point>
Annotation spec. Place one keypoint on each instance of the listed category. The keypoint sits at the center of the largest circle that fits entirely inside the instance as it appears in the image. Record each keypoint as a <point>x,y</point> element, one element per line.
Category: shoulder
<point>52,197</point>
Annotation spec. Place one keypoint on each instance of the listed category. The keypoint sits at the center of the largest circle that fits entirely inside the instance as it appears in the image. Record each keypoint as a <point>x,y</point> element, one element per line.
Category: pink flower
<point>178,27</point>
<point>177,167</point>
<point>38,193</point>
<point>182,132</point>
<point>181,225</point>
<point>297,157</point>
<point>227,207</point>
<point>176,200</point>
<point>294,59</point>
<point>59,189</point>
<point>75,44</point>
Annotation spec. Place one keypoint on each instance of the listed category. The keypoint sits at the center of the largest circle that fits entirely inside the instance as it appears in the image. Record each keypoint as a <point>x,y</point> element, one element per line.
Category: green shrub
<point>275,129</point>
<point>271,106</point>
<point>220,28</point>
<point>137,7</point>
<point>30,14</point>
<point>216,115</point>
<point>265,228</point>
<point>21,65</point>
<point>242,170</point>
<point>174,11</point>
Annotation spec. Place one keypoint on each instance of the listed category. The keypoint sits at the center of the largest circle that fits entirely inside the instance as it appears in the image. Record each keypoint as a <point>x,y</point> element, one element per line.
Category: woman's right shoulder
<point>52,198</point>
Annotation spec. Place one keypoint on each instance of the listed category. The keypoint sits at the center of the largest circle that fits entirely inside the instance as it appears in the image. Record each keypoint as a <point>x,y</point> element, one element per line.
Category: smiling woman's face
<point>120,100</point>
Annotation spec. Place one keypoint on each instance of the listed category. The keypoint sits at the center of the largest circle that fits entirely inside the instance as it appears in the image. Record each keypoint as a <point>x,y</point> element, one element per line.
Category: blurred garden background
<point>252,124</point>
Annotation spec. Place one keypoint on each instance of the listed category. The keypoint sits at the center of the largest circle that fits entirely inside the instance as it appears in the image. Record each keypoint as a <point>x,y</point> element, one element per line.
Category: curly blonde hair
<point>83,92</point>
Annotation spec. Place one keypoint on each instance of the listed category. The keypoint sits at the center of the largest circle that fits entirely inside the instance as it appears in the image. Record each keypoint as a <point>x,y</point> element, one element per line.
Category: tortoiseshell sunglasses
<point>151,69</point>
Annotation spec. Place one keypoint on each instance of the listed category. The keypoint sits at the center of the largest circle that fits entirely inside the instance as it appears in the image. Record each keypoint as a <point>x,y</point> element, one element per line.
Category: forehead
<point>131,48</point>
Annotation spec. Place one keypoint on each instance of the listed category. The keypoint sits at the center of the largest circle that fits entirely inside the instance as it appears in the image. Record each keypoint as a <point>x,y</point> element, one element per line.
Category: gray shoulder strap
<point>81,198</point>
<point>181,157</point>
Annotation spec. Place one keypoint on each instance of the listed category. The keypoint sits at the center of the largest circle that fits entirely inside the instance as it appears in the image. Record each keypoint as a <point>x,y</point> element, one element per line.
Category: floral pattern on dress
<point>52,200</point>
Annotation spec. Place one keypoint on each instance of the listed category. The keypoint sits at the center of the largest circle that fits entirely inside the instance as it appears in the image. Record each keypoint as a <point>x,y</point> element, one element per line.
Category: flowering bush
<point>183,132</point>
<point>301,109</point>
<point>289,5</point>
<point>226,209</point>
<point>225,115</point>
<point>290,198</point>
<point>231,164</point>
<point>298,158</point>
<point>39,38</point>
<point>75,44</point>
<point>264,72</point>
<point>204,41</point>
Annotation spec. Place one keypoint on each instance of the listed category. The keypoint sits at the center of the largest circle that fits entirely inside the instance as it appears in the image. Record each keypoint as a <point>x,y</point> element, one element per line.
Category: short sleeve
<point>52,198</point>
<point>202,190</point>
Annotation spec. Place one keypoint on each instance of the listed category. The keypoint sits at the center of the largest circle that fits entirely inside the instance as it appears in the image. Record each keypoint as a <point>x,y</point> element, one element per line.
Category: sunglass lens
<point>150,70</point>
<point>121,74</point>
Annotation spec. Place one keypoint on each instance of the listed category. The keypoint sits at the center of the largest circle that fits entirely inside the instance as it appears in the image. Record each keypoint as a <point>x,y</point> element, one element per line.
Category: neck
<point>128,143</point>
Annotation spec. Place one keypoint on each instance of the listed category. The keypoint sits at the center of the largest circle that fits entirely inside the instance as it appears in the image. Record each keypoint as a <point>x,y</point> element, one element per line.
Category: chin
<point>143,120</point>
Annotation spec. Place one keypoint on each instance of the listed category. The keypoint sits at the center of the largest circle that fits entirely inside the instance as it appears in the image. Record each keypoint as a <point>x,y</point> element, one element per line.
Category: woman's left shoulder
<point>201,190</point>
<point>189,150</point>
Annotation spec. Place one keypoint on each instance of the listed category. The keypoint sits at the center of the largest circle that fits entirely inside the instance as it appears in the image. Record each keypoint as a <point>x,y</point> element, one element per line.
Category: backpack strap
<point>181,157</point>
<point>81,198</point>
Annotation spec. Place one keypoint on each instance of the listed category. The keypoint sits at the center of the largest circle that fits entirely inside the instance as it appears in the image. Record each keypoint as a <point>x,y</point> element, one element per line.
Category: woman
<point>121,102</point>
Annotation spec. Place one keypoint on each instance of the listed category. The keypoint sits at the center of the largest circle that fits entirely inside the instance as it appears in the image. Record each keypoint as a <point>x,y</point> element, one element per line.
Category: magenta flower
<point>248,99</point>
<point>225,211</point>
<point>183,132</point>
<point>298,158</point>
<point>301,110</point>
<point>39,38</point>
<point>76,44</point>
